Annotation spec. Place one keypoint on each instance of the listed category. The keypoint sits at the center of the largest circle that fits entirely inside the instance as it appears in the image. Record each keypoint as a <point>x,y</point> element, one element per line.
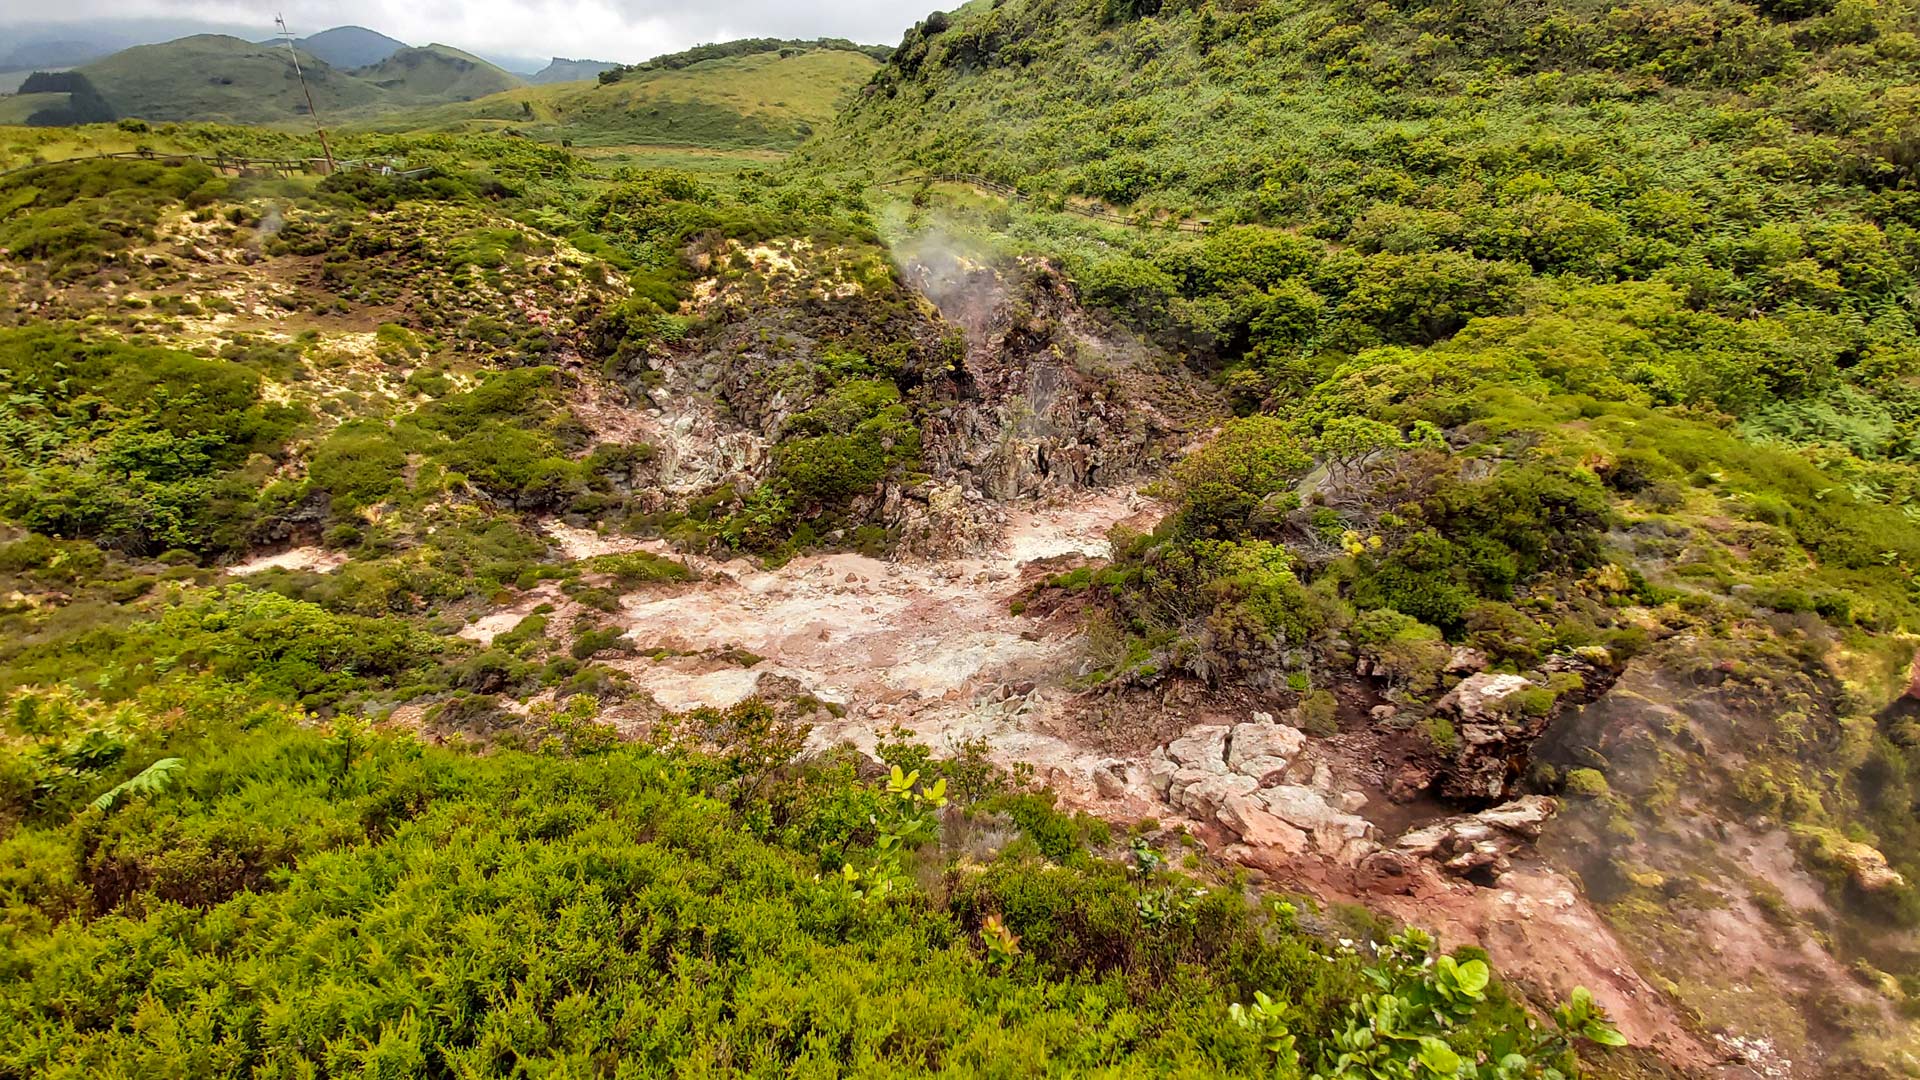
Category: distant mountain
<point>524,66</point>
<point>564,70</point>
<point>40,55</point>
<point>349,47</point>
<point>438,73</point>
<point>214,77</point>
<point>68,43</point>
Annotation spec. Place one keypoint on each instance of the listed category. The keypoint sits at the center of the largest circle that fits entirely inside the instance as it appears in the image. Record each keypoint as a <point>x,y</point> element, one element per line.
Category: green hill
<point>212,77</point>
<point>437,73</point>
<point>758,100</point>
<point>215,78</point>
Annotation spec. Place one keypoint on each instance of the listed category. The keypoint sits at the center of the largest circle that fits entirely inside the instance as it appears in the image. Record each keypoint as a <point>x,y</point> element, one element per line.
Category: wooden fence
<point>1008,191</point>
<point>238,165</point>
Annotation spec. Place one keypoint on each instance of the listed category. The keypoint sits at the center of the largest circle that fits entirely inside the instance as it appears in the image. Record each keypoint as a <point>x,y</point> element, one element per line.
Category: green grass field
<point>16,108</point>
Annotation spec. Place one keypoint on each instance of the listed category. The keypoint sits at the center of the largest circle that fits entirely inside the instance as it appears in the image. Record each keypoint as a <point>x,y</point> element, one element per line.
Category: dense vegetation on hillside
<point>1561,330</point>
<point>1574,346</point>
<point>222,849</point>
<point>437,73</point>
<point>256,893</point>
<point>212,78</point>
<point>1480,222</point>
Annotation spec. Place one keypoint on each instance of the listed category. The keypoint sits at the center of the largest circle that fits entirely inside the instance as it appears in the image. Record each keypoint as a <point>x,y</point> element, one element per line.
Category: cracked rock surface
<point>1260,780</point>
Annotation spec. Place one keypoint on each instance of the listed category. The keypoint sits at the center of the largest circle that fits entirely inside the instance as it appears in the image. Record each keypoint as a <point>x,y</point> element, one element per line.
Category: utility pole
<point>287,36</point>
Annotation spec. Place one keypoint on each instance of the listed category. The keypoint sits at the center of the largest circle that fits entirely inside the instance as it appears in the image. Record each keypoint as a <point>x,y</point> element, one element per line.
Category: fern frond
<point>152,780</point>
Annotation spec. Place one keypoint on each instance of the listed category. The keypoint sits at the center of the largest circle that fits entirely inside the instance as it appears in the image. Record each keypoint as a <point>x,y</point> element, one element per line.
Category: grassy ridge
<point>211,77</point>
<point>438,73</point>
<point>760,100</point>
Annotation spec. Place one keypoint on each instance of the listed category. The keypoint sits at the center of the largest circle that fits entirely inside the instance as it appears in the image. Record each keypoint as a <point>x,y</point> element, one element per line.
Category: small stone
<point>1409,782</point>
<point>1525,816</point>
<point>1478,695</point>
<point>1868,867</point>
<point>1203,747</point>
<point>1304,808</point>
<point>1596,655</point>
<point>1256,826</point>
<point>1204,797</point>
<point>1466,660</point>
<point>1482,734</point>
<point>1383,713</point>
<point>1425,842</point>
<point>1258,741</point>
<point>1322,777</point>
<point>1388,873</point>
<point>1160,776</point>
<point>1265,771</point>
<point>1185,777</point>
<point>1477,858</point>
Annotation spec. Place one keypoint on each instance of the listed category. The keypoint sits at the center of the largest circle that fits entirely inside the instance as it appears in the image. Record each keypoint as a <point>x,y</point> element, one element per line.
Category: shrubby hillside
<point>1261,473</point>
<point>289,781</point>
<point>1558,331</point>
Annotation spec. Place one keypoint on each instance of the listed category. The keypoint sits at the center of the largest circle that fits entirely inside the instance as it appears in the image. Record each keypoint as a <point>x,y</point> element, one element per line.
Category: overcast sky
<point>622,30</point>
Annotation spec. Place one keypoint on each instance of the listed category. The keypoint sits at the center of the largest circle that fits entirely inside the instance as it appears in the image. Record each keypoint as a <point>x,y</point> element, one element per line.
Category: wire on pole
<point>287,36</point>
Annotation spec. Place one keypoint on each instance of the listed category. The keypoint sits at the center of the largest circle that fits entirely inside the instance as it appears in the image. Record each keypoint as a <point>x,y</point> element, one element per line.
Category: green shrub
<point>1319,713</point>
<point>1587,783</point>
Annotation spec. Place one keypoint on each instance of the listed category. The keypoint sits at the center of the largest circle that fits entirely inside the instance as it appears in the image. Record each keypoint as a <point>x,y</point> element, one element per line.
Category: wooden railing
<point>236,163</point>
<point>1008,191</point>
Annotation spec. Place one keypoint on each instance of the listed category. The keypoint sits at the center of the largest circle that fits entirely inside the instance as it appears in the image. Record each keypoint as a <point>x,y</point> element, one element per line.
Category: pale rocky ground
<point>932,646</point>
<point>307,558</point>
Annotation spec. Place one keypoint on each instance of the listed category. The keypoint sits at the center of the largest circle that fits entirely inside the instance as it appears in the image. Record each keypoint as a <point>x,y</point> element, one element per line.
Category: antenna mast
<point>287,36</point>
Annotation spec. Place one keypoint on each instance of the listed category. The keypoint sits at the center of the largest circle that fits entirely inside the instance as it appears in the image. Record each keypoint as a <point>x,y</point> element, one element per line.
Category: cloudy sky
<point>622,30</point>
